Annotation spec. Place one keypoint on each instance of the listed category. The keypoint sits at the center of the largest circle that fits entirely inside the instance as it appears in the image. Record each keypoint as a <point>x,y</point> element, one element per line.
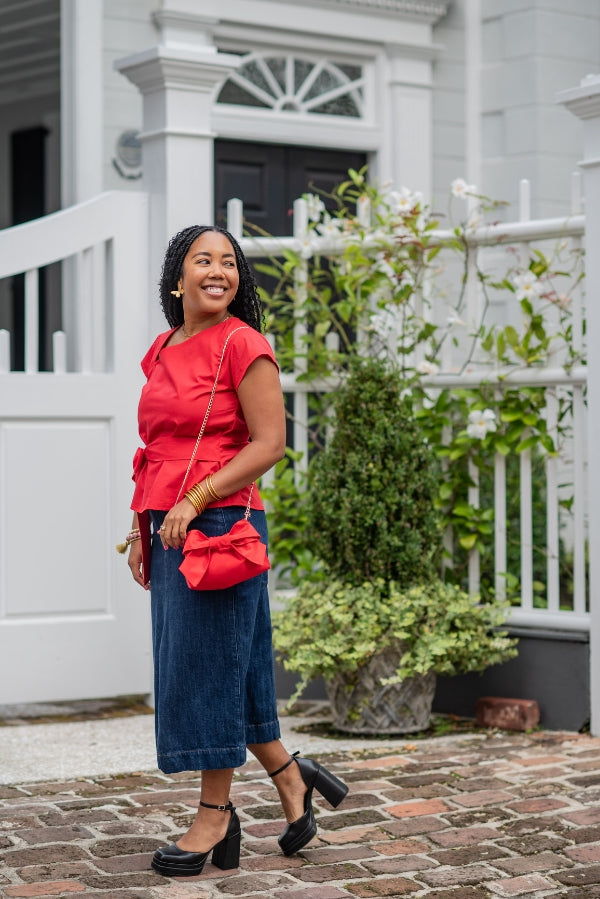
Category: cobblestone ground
<point>462,817</point>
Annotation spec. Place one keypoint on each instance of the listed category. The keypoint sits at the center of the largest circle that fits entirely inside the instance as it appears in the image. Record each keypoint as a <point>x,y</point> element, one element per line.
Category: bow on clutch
<point>215,563</point>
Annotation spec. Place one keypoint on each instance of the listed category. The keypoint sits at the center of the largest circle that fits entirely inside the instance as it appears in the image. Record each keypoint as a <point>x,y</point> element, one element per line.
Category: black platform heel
<point>297,834</point>
<point>171,861</point>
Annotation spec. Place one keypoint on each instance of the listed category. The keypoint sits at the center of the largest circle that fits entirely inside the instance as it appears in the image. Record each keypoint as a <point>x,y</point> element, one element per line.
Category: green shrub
<point>334,626</point>
<point>371,504</point>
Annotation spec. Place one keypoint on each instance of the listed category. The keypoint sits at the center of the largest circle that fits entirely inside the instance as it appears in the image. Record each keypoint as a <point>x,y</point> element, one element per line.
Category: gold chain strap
<point>205,420</point>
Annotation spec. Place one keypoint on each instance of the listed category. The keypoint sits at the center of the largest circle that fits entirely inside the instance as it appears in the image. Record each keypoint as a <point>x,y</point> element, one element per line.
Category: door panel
<point>268,178</point>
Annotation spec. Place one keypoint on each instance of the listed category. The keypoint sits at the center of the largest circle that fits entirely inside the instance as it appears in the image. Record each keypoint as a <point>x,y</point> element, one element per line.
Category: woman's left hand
<point>173,530</point>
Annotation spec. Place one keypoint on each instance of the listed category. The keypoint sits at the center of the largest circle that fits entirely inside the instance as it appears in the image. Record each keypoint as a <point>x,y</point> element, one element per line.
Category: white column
<point>178,83</point>
<point>81,100</point>
<point>584,102</point>
<point>409,121</point>
<point>473,69</point>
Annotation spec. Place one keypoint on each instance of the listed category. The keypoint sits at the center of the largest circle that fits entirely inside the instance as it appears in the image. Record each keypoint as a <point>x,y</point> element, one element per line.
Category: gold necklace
<point>187,336</point>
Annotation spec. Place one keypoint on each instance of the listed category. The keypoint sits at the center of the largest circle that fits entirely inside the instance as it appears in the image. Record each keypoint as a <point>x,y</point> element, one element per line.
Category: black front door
<point>268,178</point>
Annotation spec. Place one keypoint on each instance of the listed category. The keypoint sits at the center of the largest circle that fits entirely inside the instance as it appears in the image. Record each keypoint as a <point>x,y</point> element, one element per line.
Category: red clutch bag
<point>215,563</point>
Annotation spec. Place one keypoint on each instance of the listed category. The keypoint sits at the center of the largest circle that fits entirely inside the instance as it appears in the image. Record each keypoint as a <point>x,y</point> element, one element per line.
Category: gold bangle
<point>198,498</point>
<point>211,489</point>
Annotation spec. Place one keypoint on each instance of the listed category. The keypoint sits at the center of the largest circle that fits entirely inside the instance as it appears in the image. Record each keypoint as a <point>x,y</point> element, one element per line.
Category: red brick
<point>464,837</point>
<point>121,864</point>
<point>125,846</point>
<point>536,805</point>
<point>469,874</point>
<point>539,761</point>
<point>397,886</point>
<point>349,835</point>
<point>401,864</point>
<point>585,816</point>
<point>409,826</point>
<point>392,761</point>
<point>418,808</point>
<point>46,855</point>
<point>532,864</point>
<point>60,871</point>
<point>482,797</point>
<point>579,876</point>
<point>584,854</point>
<point>320,892</point>
<point>49,888</point>
<point>327,873</point>
<point>518,886</point>
<point>55,834</point>
<point>332,855</point>
<point>167,797</point>
<point>400,847</point>
<point>271,862</point>
<point>507,714</point>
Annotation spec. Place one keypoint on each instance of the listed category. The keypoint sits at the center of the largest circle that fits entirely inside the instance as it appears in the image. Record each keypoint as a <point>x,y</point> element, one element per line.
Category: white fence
<point>72,623</point>
<point>569,466</point>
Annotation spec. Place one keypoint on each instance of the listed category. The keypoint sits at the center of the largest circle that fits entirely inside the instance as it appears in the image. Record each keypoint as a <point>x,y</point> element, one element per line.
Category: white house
<point>124,120</point>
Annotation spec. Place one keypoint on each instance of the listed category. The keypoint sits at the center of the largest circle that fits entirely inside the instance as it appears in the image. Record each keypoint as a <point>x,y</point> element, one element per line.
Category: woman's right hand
<point>135,563</point>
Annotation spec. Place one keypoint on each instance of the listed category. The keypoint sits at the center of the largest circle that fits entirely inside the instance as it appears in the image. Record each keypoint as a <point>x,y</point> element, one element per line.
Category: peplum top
<point>172,406</point>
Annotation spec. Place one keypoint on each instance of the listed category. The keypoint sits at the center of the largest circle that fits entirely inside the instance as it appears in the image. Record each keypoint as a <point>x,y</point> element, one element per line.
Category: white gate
<point>72,622</point>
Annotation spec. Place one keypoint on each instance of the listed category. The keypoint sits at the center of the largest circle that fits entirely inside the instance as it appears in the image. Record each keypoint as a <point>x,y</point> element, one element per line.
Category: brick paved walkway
<point>485,815</point>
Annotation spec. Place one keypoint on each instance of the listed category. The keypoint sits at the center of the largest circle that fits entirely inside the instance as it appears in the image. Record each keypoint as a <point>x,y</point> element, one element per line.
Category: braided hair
<point>246,304</point>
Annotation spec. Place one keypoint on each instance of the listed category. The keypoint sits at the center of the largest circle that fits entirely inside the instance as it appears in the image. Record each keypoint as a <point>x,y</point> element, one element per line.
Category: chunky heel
<point>171,861</point>
<point>226,854</point>
<point>300,832</point>
<point>329,786</point>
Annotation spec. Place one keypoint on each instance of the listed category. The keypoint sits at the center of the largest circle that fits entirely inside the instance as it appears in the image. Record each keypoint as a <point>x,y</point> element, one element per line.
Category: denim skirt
<point>213,659</point>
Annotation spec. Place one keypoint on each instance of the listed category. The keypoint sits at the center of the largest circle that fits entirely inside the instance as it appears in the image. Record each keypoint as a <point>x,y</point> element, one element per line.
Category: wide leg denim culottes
<point>213,659</point>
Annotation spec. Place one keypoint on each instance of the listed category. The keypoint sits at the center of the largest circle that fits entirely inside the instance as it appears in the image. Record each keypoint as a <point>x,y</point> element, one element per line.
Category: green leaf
<point>526,444</point>
<point>468,542</point>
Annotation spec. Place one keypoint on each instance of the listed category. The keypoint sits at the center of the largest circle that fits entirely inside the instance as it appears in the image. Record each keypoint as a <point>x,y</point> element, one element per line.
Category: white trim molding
<point>430,11</point>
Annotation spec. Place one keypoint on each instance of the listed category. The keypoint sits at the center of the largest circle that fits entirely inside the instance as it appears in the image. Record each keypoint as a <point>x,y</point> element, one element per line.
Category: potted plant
<point>375,619</point>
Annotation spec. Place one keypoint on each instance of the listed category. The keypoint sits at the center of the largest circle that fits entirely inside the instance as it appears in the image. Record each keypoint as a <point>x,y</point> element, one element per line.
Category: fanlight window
<point>294,84</point>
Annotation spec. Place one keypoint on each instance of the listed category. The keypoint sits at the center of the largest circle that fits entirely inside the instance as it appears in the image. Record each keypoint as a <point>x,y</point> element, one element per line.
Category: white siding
<point>128,29</point>
<point>449,135</point>
<point>532,51</point>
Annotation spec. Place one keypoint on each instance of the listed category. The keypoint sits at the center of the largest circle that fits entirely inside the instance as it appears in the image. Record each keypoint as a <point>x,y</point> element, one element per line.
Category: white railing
<point>78,244</point>
<point>571,466</point>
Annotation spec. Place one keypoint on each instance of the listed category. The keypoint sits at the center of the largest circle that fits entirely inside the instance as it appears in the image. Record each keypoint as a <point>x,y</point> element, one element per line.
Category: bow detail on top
<point>215,563</point>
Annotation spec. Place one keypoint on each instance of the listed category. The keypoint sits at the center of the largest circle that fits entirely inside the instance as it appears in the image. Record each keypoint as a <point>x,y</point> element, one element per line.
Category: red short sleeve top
<point>173,404</point>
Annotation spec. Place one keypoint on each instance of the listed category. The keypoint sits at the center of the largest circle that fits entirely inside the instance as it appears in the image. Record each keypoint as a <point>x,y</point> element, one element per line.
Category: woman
<point>214,686</point>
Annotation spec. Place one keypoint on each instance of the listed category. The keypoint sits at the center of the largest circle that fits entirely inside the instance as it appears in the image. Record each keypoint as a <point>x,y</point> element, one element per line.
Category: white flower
<point>403,201</point>
<point>481,422</point>
<point>306,247</point>
<point>527,286</point>
<point>427,368</point>
<point>314,206</point>
<point>460,188</point>
<point>330,227</point>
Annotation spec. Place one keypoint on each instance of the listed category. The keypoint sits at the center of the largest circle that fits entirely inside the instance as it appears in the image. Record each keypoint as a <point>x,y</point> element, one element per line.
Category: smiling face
<point>210,279</point>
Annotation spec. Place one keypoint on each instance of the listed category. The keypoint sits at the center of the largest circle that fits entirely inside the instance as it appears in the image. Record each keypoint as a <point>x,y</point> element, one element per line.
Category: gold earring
<point>179,292</point>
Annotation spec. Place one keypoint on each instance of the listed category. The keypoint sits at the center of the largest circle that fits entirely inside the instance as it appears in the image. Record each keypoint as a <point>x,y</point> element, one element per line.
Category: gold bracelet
<point>211,489</point>
<point>198,498</point>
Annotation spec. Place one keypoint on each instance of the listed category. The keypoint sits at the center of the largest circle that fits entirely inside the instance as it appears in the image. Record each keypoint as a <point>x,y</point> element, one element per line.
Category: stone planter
<point>365,706</point>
